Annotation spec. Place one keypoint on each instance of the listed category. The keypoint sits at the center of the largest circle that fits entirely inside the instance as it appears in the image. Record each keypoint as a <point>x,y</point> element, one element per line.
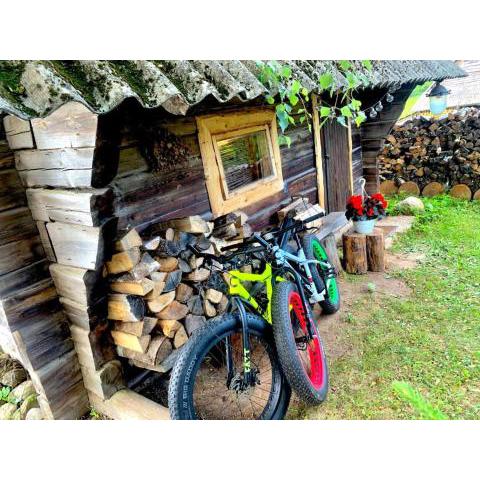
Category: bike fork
<point>239,306</point>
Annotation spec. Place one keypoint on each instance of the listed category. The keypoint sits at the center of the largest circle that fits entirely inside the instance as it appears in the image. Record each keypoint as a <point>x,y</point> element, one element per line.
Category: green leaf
<point>302,119</point>
<point>345,111</point>
<point>293,99</point>
<point>284,140</point>
<point>286,72</point>
<point>326,81</point>
<point>360,118</point>
<point>282,120</point>
<point>367,64</point>
<point>296,86</point>
<point>270,100</point>
<point>280,107</point>
<point>341,121</point>
<point>345,65</point>
<point>291,120</point>
<point>305,93</point>
<point>355,104</point>
<point>325,111</point>
<point>288,108</point>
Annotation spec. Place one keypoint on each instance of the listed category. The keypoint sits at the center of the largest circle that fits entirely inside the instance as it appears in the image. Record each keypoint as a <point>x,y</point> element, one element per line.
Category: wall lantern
<point>438,99</point>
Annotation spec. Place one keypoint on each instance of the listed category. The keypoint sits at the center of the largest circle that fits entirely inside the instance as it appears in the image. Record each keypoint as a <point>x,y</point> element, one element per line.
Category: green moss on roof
<point>72,72</point>
<point>133,76</point>
<point>11,86</point>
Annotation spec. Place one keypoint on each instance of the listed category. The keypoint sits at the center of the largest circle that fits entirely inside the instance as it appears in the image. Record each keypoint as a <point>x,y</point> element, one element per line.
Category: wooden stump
<point>355,253</point>
<point>461,191</point>
<point>432,189</point>
<point>330,245</point>
<point>388,187</point>
<point>476,195</point>
<point>409,187</point>
<point>376,251</point>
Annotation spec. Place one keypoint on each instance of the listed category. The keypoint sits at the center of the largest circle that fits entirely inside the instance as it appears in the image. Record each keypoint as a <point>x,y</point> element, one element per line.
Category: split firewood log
<point>183,293</point>
<point>167,264</point>
<point>170,234</point>
<point>169,327</point>
<point>193,322</point>
<point>198,275</point>
<point>209,309</point>
<point>180,337</point>
<point>158,276</point>
<point>158,350</point>
<point>195,305</point>
<point>174,311</point>
<point>157,290</point>
<point>134,287</point>
<point>127,308</point>
<point>203,243</point>
<point>128,241</point>
<point>222,305</point>
<point>139,329</point>
<point>213,295</point>
<point>132,342</point>
<point>173,280</point>
<point>123,261</point>
<point>146,266</point>
<point>192,224</point>
<point>161,302</point>
<point>184,266</point>
<point>152,244</point>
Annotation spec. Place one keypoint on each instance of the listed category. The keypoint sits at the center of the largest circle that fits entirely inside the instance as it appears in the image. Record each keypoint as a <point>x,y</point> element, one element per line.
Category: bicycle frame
<point>236,288</point>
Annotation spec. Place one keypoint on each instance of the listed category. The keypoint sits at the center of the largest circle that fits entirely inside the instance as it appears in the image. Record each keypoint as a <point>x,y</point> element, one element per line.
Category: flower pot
<point>364,226</point>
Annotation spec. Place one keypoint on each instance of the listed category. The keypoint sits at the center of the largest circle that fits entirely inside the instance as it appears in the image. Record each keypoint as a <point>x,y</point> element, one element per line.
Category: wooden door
<point>336,152</point>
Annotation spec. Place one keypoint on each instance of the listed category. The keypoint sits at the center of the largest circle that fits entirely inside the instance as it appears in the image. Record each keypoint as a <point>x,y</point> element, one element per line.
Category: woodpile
<point>160,291</point>
<point>421,151</point>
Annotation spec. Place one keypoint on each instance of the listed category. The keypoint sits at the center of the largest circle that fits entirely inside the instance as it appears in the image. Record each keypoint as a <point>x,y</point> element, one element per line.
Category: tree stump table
<point>364,252</point>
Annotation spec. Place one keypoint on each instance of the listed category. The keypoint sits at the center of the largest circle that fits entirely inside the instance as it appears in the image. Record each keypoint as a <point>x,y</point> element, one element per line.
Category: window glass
<point>245,159</point>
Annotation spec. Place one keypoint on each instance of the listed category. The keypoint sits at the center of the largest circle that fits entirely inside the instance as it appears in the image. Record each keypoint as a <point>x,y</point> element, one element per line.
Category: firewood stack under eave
<point>160,291</point>
<point>429,150</point>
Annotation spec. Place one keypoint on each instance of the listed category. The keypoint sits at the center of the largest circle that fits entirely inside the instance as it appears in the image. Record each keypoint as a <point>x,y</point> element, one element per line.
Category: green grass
<point>417,357</point>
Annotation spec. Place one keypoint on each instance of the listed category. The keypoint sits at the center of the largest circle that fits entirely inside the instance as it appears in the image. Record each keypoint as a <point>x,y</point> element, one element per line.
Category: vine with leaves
<point>336,101</point>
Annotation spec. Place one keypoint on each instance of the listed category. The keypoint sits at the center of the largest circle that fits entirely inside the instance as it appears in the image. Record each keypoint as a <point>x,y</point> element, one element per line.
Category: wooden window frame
<point>212,128</point>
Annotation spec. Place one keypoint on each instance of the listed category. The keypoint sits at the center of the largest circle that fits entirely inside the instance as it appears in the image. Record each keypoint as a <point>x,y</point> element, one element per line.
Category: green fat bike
<point>232,367</point>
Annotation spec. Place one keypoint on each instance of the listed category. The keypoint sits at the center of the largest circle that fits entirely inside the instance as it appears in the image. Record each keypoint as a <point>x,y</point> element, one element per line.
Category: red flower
<point>370,212</point>
<point>355,201</point>
<point>380,198</point>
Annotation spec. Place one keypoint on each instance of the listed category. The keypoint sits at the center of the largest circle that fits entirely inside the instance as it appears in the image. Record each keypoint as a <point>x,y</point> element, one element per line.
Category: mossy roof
<point>30,89</point>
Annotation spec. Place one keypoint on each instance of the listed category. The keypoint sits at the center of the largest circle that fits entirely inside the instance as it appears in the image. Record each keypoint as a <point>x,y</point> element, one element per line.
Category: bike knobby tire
<point>198,387</point>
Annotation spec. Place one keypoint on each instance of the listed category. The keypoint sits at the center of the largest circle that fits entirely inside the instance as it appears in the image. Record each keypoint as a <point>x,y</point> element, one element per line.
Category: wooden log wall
<point>373,132</point>
<point>33,326</point>
<point>74,155</point>
<point>178,189</point>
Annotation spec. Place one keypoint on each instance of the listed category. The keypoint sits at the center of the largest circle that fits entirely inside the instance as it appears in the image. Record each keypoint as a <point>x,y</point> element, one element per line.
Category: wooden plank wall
<point>144,198</point>
<point>357,159</point>
<point>33,326</point>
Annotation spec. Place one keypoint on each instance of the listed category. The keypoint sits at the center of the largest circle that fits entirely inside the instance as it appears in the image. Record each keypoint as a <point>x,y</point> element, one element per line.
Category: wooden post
<point>376,251</point>
<point>355,253</point>
<point>318,152</point>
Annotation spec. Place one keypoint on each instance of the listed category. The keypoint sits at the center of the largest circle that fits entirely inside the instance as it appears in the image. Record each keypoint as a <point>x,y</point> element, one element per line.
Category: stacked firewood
<point>161,291</point>
<point>434,150</point>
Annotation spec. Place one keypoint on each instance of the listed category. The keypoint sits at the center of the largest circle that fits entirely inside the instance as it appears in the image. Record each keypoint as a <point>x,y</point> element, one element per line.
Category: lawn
<point>430,339</point>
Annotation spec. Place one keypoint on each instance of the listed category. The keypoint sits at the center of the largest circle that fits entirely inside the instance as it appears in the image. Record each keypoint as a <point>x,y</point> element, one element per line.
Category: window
<point>241,158</point>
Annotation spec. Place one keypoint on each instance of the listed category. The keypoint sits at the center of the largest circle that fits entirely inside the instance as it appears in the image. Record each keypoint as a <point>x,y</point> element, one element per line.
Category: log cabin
<point>89,149</point>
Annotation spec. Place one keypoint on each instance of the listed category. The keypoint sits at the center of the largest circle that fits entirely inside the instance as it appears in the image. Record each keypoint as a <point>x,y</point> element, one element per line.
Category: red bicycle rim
<point>314,348</point>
